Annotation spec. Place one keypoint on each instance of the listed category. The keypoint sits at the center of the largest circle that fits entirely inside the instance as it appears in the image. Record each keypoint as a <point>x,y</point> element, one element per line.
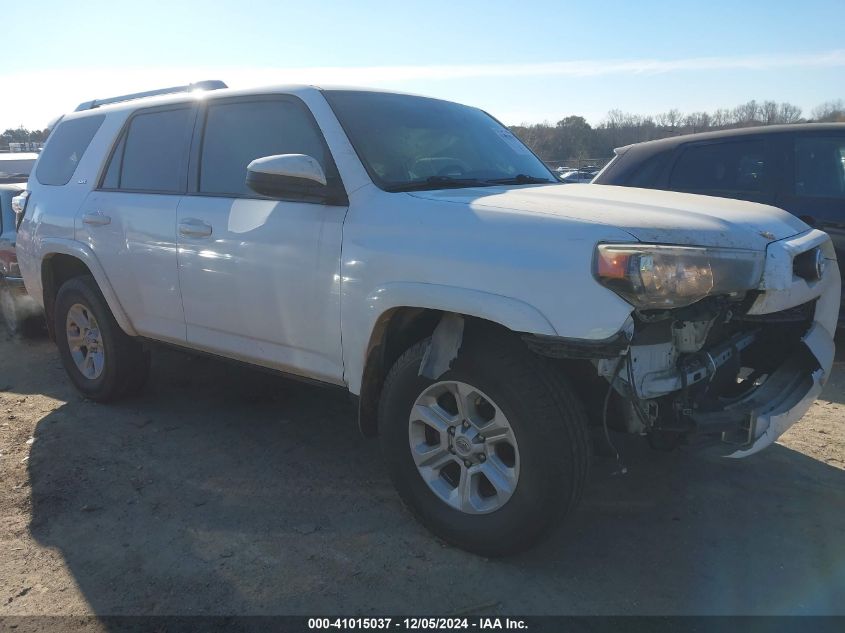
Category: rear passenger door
<point>260,277</point>
<point>741,168</point>
<point>130,220</point>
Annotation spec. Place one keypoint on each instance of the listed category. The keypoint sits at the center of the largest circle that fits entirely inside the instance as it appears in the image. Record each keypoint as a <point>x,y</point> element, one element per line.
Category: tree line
<point>572,139</point>
<point>22,135</point>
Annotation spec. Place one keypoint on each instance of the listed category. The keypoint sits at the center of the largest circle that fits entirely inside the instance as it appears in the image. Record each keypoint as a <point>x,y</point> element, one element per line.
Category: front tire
<point>102,361</point>
<point>494,452</point>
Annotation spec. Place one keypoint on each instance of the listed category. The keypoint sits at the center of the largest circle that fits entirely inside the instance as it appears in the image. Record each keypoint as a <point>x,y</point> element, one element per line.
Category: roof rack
<point>211,84</point>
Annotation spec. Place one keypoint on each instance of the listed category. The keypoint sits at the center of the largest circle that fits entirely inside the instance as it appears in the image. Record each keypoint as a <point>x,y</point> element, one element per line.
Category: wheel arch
<point>411,312</point>
<point>65,259</point>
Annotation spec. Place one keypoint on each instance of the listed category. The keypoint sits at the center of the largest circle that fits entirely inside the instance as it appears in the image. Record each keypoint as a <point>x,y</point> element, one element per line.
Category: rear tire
<point>102,361</point>
<point>546,450</point>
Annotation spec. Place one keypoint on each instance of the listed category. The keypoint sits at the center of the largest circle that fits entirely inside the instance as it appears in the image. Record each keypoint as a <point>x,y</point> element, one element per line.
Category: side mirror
<point>286,175</point>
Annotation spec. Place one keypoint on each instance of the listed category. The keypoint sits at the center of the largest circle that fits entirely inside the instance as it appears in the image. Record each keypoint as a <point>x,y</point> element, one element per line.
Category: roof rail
<point>211,84</point>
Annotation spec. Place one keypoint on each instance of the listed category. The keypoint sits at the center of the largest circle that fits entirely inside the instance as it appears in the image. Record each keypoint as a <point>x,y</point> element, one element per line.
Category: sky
<point>524,62</point>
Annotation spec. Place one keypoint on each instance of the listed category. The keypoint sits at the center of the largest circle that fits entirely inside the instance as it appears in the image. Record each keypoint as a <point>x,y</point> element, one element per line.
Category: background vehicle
<point>799,168</point>
<point>414,252</point>
<point>577,175</point>
<point>15,166</point>
<point>17,309</point>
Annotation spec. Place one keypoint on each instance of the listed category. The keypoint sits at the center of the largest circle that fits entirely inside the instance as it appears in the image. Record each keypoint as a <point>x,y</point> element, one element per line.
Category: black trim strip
<point>577,348</point>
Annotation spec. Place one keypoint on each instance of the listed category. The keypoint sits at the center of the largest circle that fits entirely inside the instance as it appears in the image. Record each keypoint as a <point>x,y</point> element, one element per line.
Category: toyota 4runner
<point>415,253</point>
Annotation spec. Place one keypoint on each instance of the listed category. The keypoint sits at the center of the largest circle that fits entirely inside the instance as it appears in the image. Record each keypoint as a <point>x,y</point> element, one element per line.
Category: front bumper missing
<point>782,400</point>
<point>791,389</point>
<point>690,393</point>
<point>809,369</point>
<point>783,342</point>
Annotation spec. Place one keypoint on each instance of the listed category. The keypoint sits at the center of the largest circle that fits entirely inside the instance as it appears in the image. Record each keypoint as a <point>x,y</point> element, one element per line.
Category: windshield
<point>409,143</point>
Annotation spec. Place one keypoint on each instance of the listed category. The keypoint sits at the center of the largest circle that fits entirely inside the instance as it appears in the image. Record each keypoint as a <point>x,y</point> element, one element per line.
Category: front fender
<point>61,246</point>
<point>511,313</point>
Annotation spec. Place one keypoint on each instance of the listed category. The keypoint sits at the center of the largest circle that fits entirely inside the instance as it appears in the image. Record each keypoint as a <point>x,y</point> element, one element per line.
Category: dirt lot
<point>228,491</point>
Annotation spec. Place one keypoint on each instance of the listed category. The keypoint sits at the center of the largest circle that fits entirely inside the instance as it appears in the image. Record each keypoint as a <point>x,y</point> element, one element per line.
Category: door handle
<point>96,219</point>
<point>194,228</point>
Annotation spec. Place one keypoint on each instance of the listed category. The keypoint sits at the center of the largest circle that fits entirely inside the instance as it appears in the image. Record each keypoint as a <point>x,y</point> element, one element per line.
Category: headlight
<point>654,277</point>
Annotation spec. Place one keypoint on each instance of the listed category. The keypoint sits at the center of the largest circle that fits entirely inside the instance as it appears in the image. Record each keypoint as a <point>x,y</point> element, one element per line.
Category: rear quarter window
<point>646,174</point>
<point>65,149</point>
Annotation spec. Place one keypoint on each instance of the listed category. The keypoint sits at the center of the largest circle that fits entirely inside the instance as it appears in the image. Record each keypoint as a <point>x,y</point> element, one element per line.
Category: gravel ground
<point>225,490</point>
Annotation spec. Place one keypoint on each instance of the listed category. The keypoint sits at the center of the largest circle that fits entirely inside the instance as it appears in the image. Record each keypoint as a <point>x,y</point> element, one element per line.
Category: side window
<point>820,167</point>
<point>646,174</point>
<point>152,156</point>
<point>238,133</point>
<point>65,148</point>
<point>737,167</point>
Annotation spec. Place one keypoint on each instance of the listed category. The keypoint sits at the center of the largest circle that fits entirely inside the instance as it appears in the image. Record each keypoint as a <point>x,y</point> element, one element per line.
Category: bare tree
<point>747,113</point>
<point>830,111</point>
<point>615,119</point>
<point>721,118</point>
<point>789,113</point>
<point>769,112</point>
<point>697,121</point>
<point>674,118</point>
<point>772,113</point>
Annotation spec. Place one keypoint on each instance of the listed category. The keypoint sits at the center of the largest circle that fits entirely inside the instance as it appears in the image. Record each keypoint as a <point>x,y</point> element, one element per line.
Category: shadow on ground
<point>228,491</point>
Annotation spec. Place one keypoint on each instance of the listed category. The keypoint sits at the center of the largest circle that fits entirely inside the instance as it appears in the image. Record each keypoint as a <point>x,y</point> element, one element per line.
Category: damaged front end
<point>737,367</point>
<point>720,373</point>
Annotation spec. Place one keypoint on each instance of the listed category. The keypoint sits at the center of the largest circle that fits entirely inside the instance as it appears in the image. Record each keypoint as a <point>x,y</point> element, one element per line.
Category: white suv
<point>415,253</point>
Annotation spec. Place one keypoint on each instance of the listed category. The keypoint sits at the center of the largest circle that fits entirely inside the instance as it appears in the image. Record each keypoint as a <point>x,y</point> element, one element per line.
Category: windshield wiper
<point>519,179</point>
<point>440,182</point>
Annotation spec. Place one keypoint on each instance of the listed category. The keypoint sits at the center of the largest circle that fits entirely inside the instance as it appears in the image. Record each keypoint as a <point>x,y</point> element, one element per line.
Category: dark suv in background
<point>799,168</point>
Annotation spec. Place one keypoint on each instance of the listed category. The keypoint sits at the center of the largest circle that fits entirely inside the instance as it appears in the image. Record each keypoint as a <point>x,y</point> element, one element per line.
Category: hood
<point>663,217</point>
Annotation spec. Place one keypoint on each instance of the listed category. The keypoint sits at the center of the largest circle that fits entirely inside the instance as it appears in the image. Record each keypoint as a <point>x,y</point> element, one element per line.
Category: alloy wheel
<point>464,447</point>
<point>85,341</point>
